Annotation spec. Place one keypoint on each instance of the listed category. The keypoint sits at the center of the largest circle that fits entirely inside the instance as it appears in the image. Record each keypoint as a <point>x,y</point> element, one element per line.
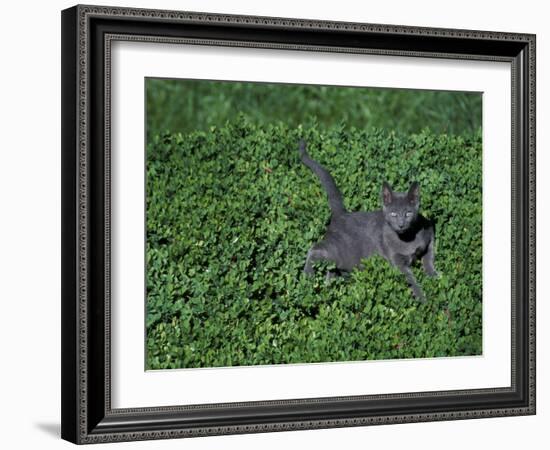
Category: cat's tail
<point>335,200</point>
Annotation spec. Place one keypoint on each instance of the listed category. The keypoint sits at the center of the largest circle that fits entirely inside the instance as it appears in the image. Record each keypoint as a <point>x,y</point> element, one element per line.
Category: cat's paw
<point>432,273</point>
<point>419,295</point>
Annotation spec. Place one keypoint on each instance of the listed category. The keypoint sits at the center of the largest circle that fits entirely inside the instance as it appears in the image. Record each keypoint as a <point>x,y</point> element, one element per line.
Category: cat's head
<point>400,208</point>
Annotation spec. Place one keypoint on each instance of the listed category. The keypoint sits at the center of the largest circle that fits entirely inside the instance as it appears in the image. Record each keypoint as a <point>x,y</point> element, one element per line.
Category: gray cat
<point>397,232</point>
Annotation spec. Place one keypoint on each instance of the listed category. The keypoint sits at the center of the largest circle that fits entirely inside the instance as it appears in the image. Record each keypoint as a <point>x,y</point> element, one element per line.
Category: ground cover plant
<point>231,212</point>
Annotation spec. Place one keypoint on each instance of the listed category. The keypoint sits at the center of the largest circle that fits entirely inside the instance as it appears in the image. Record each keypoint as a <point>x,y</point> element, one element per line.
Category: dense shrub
<point>231,213</point>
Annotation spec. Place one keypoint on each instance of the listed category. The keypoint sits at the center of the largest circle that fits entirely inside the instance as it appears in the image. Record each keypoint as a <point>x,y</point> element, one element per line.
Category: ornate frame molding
<point>84,421</point>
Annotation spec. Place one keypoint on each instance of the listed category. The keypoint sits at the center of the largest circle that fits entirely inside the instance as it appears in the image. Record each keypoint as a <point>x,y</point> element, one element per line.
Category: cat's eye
<point>393,214</point>
<point>409,213</point>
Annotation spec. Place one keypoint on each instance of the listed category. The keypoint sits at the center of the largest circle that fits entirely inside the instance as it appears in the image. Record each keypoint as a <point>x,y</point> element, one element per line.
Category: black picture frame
<point>87,416</point>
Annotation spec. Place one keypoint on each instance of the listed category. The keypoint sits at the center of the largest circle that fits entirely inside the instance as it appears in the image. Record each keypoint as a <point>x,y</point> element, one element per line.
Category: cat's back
<point>357,227</point>
<point>360,219</point>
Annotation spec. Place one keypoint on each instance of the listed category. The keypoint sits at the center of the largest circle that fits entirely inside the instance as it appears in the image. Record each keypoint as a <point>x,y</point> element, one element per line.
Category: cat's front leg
<point>402,264</point>
<point>416,289</point>
<point>428,260</point>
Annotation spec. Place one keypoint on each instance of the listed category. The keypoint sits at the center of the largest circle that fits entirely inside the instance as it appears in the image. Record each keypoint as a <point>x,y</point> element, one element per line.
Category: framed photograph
<point>280,224</point>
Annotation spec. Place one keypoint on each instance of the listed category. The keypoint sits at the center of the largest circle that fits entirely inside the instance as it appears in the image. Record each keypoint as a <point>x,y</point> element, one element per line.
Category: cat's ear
<point>387,193</point>
<point>414,193</point>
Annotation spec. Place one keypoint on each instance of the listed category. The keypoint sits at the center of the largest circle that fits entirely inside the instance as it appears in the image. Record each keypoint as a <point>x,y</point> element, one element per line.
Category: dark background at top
<point>187,105</point>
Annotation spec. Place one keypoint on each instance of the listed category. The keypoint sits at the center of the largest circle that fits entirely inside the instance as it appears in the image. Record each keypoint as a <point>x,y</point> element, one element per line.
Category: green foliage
<point>187,105</point>
<point>231,213</point>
